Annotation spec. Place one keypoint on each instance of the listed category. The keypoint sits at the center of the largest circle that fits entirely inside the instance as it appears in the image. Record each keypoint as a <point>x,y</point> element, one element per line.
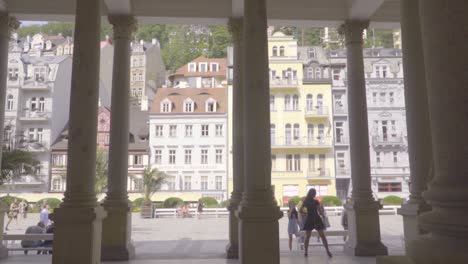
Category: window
<point>219,182</point>
<point>273,162</point>
<point>41,104</point>
<point>166,106</point>
<point>318,73</point>
<point>173,130</point>
<point>188,130</point>
<point>395,157</point>
<point>287,102</point>
<point>203,67</point>
<point>204,183</point>
<point>204,156</point>
<point>172,156</point>
<point>158,131</point>
<point>295,102</point>
<point>377,158</point>
<point>219,130</point>
<point>204,130</point>
<point>275,51</point>
<point>187,183</point>
<point>137,159</point>
<point>311,53</point>
<point>281,53</point>
<point>192,67</point>
<point>219,156</point>
<point>214,67</point>
<point>296,132</point>
<point>157,156</point>
<point>188,106</point>
<point>272,103</point>
<point>188,156</point>
<point>309,103</point>
<point>10,102</point>
<point>336,74</point>
<point>210,105</point>
<point>170,181</point>
<point>389,186</point>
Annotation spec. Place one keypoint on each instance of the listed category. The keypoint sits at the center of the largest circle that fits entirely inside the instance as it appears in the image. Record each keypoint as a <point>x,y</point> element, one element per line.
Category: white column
<point>417,118</point>
<point>363,210</point>
<point>235,27</point>
<point>258,212</point>
<point>78,221</point>
<point>444,26</point>
<point>116,232</point>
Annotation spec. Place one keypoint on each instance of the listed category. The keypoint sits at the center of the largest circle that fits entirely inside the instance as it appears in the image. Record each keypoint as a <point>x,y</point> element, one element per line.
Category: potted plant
<point>152,181</point>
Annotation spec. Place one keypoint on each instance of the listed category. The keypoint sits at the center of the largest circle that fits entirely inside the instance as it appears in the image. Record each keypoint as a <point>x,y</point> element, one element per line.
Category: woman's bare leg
<point>290,242</point>
<point>306,242</point>
<point>325,242</point>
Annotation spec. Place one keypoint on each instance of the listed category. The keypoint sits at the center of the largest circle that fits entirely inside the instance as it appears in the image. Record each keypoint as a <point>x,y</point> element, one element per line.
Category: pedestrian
<point>293,223</point>
<point>313,221</point>
<point>199,209</point>
<point>44,215</point>
<point>36,229</point>
<point>344,219</point>
<point>12,213</point>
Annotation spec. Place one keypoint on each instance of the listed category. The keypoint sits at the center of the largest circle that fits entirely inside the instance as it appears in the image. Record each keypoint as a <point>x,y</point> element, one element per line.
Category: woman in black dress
<point>313,221</point>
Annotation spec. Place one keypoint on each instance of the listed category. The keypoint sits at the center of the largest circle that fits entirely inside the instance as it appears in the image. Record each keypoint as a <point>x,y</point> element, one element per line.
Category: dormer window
<point>192,67</point>
<point>189,105</point>
<point>275,51</point>
<point>281,51</point>
<point>166,106</point>
<point>214,67</point>
<point>203,66</point>
<point>211,105</point>
<point>311,53</point>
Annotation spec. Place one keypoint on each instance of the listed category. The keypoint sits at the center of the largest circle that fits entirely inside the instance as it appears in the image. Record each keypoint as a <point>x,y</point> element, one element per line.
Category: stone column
<point>235,27</point>
<point>116,232</point>
<point>78,221</point>
<point>444,26</point>
<point>258,212</point>
<point>417,118</point>
<point>363,210</point>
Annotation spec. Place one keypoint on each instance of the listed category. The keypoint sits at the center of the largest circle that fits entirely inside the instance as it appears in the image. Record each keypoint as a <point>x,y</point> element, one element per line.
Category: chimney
<point>144,103</point>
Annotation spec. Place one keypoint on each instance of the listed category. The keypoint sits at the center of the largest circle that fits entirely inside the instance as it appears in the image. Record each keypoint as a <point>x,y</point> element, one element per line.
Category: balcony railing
<point>284,83</point>
<point>316,111</point>
<point>379,141</point>
<point>35,116</point>
<point>320,173</point>
<point>316,142</point>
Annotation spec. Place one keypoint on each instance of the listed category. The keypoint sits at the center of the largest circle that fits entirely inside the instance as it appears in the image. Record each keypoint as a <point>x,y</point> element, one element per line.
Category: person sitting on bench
<point>37,229</point>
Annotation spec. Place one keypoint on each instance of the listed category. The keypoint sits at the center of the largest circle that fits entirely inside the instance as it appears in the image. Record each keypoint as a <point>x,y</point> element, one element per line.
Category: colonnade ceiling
<point>382,13</point>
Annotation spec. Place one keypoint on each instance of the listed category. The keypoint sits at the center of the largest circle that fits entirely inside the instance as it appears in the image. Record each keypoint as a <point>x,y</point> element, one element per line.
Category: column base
<point>3,252</point>
<point>410,212</point>
<point>435,250</point>
<point>364,229</point>
<point>259,232</point>
<point>116,233</point>
<point>77,235</point>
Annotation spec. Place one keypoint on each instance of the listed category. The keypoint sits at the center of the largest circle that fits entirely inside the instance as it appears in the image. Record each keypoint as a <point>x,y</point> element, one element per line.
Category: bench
<point>19,237</point>
<point>314,234</point>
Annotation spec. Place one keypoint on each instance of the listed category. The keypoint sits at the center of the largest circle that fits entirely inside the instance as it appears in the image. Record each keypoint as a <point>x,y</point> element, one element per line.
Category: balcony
<point>316,112</point>
<point>32,116</point>
<point>35,85</point>
<point>319,174</point>
<point>301,143</point>
<point>389,142</point>
<point>284,84</point>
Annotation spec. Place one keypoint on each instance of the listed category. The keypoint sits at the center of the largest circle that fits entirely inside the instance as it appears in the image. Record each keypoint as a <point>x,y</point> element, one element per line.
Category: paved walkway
<point>172,241</point>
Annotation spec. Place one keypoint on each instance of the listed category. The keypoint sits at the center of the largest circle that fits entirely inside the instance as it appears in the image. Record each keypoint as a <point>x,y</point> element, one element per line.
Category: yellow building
<point>301,120</point>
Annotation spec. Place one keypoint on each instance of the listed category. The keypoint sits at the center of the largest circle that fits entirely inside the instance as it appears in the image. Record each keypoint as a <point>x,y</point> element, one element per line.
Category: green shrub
<point>51,202</point>
<point>172,202</point>
<point>294,200</point>
<point>392,200</point>
<point>209,202</point>
<point>225,203</point>
<point>331,201</point>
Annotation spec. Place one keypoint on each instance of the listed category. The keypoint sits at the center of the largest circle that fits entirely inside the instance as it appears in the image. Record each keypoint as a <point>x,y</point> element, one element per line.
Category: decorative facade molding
<point>123,25</point>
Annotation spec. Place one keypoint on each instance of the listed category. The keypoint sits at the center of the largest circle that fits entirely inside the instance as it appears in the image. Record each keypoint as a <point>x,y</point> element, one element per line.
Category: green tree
<point>100,184</point>
<point>152,181</point>
<point>17,163</point>
<point>220,39</point>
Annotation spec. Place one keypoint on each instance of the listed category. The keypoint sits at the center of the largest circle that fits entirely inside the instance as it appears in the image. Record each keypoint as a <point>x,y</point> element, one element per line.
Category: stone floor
<point>197,241</point>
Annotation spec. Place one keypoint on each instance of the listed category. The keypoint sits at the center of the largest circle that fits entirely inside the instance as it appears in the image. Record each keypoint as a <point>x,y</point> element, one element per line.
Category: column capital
<point>235,26</point>
<point>11,22</point>
<point>123,25</point>
<point>353,30</point>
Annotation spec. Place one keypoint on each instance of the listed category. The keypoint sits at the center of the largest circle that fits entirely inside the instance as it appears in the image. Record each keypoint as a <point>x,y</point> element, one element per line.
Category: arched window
<point>210,105</point>
<point>41,104</point>
<point>287,102</point>
<point>272,103</point>
<point>295,102</point>
<point>10,102</point>
<point>166,106</point>
<point>310,72</point>
<point>33,104</point>
<point>309,102</point>
<point>275,51</point>
<point>318,73</point>
<point>288,134</point>
<point>281,51</point>
<point>189,105</point>
<point>296,132</point>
